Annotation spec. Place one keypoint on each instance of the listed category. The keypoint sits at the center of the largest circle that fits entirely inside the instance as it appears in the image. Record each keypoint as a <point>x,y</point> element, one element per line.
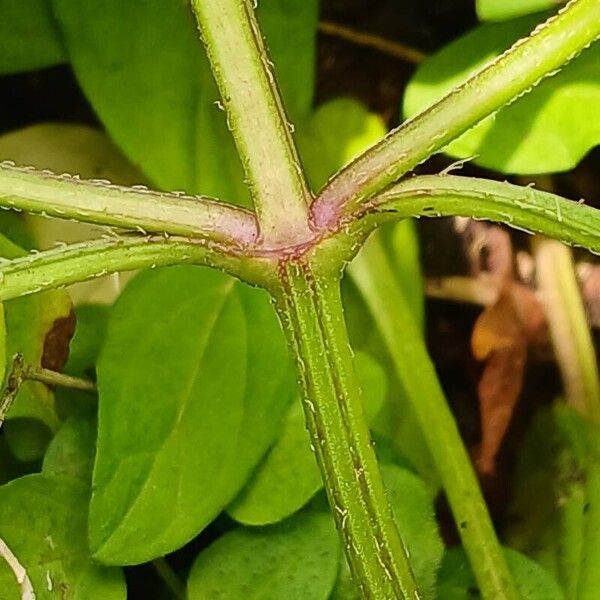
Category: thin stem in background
<point>137,209</point>
<point>559,293</point>
<point>389,47</point>
<point>310,309</point>
<point>374,277</point>
<point>257,119</point>
<point>515,72</point>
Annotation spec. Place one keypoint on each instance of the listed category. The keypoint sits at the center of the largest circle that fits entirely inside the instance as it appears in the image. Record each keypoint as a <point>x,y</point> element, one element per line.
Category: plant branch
<point>372,273</point>
<point>138,209</point>
<point>257,119</point>
<point>512,74</point>
<point>569,329</point>
<point>520,207</point>
<point>79,262</point>
<point>310,309</point>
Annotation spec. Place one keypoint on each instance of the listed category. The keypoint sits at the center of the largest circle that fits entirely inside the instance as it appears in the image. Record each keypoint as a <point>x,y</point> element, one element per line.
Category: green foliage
<point>163,83</point>
<point>43,523</point>
<point>28,37</point>
<point>501,10</point>
<point>293,560</point>
<point>288,477</point>
<point>456,581</point>
<point>556,114</point>
<point>194,380</point>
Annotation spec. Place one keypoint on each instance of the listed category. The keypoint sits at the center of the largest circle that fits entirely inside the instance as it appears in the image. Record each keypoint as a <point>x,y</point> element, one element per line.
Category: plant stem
<point>256,118</point>
<point>137,209</point>
<point>55,378</point>
<point>569,329</point>
<point>310,309</point>
<point>373,275</point>
<point>520,207</point>
<point>88,260</point>
<point>513,73</point>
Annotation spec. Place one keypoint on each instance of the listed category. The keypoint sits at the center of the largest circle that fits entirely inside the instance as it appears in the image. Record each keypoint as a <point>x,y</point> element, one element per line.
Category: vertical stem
<point>374,277</point>
<point>569,328</point>
<point>310,309</point>
<point>257,118</point>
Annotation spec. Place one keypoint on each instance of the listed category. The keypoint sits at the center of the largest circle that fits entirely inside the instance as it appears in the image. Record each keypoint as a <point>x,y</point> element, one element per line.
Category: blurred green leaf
<point>293,560</point>
<point>29,38</point>
<point>152,87</point>
<point>456,580</point>
<point>43,523</point>
<point>288,476</point>
<point>554,514</point>
<point>412,503</point>
<point>555,115</point>
<point>92,320</point>
<point>27,438</point>
<point>194,380</point>
<point>71,452</point>
<point>502,10</point>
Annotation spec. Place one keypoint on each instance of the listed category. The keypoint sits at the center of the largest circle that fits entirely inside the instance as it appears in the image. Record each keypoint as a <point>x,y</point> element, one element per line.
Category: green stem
<point>55,378</point>
<point>373,275</point>
<point>513,73</point>
<point>520,207</point>
<point>79,262</point>
<point>569,329</point>
<point>310,308</point>
<point>257,118</point>
<point>137,209</point>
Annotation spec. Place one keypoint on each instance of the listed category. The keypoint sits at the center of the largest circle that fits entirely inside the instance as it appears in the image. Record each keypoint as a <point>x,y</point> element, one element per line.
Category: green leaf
<point>152,88</point>
<point>337,132</point>
<point>288,476</point>
<point>71,452</point>
<point>293,560</point>
<point>556,114</point>
<point>456,580</point>
<point>39,327</point>
<point>412,503</point>
<point>29,39</point>
<point>555,510</point>
<point>43,523</point>
<point>194,379</point>
<point>27,438</point>
<point>92,320</point>
<point>501,10</point>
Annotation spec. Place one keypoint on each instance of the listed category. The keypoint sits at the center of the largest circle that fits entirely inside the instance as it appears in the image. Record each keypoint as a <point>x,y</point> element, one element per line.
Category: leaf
<point>29,39</point>
<point>152,87</point>
<point>553,115</point>
<point>71,451</point>
<point>337,132</point>
<point>293,560</point>
<point>43,522</point>
<point>27,438</point>
<point>456,580</point>
<point>39,327</point>
<point>288,476</point>
<point>554,515</point>
<point>412,503</point>
<point>501,10</point>
<point>194,379</point>
<point>92,320</point>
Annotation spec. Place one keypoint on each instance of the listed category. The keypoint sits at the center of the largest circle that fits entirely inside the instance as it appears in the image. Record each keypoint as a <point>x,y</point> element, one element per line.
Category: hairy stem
<point>136,209</point>
<point>515,72</point>
<point>310,309</point>
<point>520,207</point>
<point>88,260</point>
<point>257,118</point>
<point>373,274</point>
